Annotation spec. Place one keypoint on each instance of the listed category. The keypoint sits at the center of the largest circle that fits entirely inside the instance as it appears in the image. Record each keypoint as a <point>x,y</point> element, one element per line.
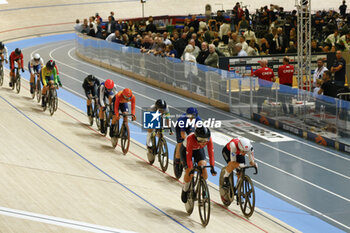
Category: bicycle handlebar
<point>199,168</point>
<point>255,167</point>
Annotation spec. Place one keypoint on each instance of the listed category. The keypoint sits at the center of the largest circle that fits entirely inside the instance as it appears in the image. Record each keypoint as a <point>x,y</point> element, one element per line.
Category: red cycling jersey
<point>235,141</point>
<point>285,73</point>
<point>120,99</point>
<point>192,144</point>
<point>13,58</point>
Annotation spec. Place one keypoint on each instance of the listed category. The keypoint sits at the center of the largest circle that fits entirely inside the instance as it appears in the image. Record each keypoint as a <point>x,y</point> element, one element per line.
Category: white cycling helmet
<point>36,56</point>
<point>244,144</point>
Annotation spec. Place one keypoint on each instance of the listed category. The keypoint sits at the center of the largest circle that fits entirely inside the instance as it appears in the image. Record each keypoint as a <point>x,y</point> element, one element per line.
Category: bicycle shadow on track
<point>75,124</point>
<point>183,216</point>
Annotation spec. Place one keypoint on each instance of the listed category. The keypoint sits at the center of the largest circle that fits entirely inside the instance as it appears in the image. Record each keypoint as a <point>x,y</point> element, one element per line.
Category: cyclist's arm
<point>55,76</point>
<point>251,155</point>
<point>12,60</point>
<point>31,71</point>
<point>233,148</point>
<point>210,148</point>
<point>43,77</point>
<point>21,57</point>
<point>189,152</point>
<point>116,106</point>
<point>101,96</point>
<point>133,105</point>
<point>56,69</point>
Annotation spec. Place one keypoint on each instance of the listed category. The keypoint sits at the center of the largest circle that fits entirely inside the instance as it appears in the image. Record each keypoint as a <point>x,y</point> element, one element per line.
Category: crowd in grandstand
<point>202,39</point>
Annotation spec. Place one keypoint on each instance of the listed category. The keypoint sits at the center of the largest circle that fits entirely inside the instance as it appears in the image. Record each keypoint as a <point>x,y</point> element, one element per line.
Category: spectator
<point>216,40</point>
<point>237,14</point>
<point>279,40</point>
<point>224,29</point>
<point>97,16</point>
<point>99,28</point>
<point>327,87</point>
<point>92,21</point>
<point>285,75</point>
<point>151,27</point>
<point>315,48</point>
<point>146,44</point>
<point>291,48</point>
<point>332,39</point>
<point>125,40</point>
<point>196,49</point>
<point>166,41</point>
<point>240,51</point>
<point>266,77</point>
<point>342,9</point>
<point>85,27</point>
<point>171,52</point>
<point>232,44</point>
<point>219,17</point>
<point>112,16</point>
<point>194,23</point>
<point>344,41</point>
<point>91,30</point>
<point>243,43</point>
<point>317,88</point>
<point>203,54</point>
<point>110,27</point>
<point>338,69</point>
<point>264,46</point>
<point>196,41</point>
<point>78,26</point>
<point>132,29</point>
<point>318,73</point>
<point>242,25</point>
<point>249,35</point>
<point>114,37</point>
<point>181,44</point>
<point>252,50</point>
<point>213,58</point>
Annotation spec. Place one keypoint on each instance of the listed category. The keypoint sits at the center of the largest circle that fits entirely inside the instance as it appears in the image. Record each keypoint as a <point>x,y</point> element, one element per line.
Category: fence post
<point>251,95</point>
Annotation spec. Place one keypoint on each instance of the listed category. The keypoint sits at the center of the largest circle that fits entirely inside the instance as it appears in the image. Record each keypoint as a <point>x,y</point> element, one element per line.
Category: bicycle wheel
<point>178,168</point>
<point>106,123</point>
<point>97,117</point>
<point>13,84</point>
<point>151,152</point>
<point>18,83</point>
<point>1,75</point>
<point>114,139</point>
<point>246,196</point>
<point>91,118</point>
<point>189,205</point>
<point>46,98</point>
<point>163,155</point>
<point>203,201</point>
<point>125,138</point>
<point>55,100</point>
<point>51,102</point>
<point>38,90</point>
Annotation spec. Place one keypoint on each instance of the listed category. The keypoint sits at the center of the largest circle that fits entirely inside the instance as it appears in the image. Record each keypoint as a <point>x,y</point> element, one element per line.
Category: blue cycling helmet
<point>192,111</point>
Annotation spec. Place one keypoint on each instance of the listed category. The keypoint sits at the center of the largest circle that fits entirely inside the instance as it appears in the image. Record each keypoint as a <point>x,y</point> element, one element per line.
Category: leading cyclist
<point>34,66</point>
<point>90,86</point>
<point>234,154</point>
<point>193,147</point>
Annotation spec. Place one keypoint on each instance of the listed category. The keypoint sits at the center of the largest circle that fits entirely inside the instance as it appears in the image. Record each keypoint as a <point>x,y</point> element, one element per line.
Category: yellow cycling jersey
<point>47,73</point>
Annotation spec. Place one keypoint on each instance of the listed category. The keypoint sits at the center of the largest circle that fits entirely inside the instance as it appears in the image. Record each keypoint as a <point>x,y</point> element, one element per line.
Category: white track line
<point>59,221</point>
<point>306,161</point>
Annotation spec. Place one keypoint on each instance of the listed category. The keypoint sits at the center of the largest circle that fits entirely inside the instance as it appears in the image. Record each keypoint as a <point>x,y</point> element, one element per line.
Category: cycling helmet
<point>90,78</point>
<point>36,56</point>
<point>192,111</point>
<point>127,94</point>
<point>109,84</point>
<point>161,104</point>
<point>2,45</point>
<point>202,133</point>
<point>244,144</point>
<point>18,51</point>
<point>50,64</point>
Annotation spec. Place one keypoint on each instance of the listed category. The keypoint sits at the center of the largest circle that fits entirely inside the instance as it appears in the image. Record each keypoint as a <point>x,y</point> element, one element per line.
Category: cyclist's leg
<point>31,82</point>
<point>11,72</point>
<point>88,101</point>
<point>199,158</point>
<point>114,119</point>
<point>148,138</point>
<point>101,116</point>
<point>124,108</point>
<point>187,178</point>
<point>179,141</point>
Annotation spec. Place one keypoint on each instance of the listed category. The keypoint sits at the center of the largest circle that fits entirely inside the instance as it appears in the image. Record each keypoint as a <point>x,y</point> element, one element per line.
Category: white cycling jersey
<point>234,150</point>
<point>4,51</point>
<point>33,63</point>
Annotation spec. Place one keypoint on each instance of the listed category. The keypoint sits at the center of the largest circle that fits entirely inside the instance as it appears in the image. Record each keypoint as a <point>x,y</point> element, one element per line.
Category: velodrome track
<point>310,177</point>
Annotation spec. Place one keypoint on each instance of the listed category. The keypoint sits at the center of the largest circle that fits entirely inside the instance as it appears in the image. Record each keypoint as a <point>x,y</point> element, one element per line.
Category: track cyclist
<point>3,53</point>
<point>193,147</point>
<point>234,154</point>
<point>184,127</point>
<point>16,56</point>
<point>161,106</point>
<point>120,103</point>
<point>48,75</point>
<point>105,91</point>
<point>34,66</point>
<point>90,86</point>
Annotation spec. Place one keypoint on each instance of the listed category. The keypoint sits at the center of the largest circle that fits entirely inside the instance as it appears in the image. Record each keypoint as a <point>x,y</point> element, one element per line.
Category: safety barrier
<point>270,103</point>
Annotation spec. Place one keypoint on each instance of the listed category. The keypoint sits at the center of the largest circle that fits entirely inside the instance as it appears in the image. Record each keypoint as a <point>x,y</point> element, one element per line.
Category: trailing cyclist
<point>48,75</point>
<point>105,91</point>
<point>183,128</point>
<point>3,53</point>
<point>16,56</point>
<point>193,147</point>
<point>34,66</point>
<point>161,106</point>
<point>234,154</point>
<point>90,86</point>
<point>120,102</point>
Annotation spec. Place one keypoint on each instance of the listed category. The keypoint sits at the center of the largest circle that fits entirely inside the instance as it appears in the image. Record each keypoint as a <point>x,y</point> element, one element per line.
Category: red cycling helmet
<point>127,94</point>
<point>109,84</point>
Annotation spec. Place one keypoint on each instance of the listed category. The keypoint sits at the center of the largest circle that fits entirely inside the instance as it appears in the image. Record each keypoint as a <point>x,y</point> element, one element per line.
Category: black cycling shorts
<point>198,155</point>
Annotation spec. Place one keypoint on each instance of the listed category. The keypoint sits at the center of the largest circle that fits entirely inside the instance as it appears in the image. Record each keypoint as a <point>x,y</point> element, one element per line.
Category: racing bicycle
<point>243,191</point>
<point>159,148</point>
<point>123,133</point>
